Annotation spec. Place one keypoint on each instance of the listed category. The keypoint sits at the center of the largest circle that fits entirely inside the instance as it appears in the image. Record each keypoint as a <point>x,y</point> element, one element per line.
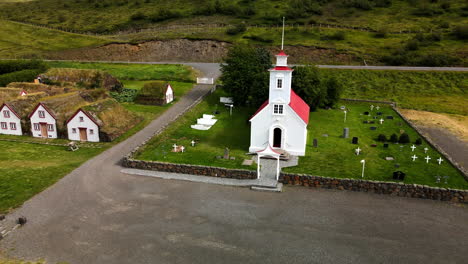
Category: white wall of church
<point>280,93</point>
<point>294,131</point>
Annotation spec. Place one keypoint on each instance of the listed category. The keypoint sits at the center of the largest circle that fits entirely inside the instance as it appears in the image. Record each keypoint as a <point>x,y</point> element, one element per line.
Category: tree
<point>245,74</point>
<point>306,83</point>
<point>333,90</point>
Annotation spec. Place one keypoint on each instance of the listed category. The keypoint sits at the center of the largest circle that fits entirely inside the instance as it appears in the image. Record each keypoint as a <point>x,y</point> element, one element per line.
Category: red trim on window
<point>10,108</point>
<point>50,127</point>
<point>13,126</point>
<point>4,125</point>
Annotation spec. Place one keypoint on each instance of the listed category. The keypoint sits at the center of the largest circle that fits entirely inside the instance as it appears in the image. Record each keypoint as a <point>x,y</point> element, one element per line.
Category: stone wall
<point>389,188</point>
<point>190,169</point>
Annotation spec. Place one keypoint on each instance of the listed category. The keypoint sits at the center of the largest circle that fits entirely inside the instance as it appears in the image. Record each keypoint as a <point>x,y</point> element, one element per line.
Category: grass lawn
<point>334,157</point>
<point>131,71</point>
<point>444,92</point>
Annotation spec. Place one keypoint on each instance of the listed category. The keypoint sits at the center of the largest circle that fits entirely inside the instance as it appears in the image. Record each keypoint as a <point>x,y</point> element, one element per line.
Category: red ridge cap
<point>86,114</point>
<point>11,109</point>
<point>45,107</point>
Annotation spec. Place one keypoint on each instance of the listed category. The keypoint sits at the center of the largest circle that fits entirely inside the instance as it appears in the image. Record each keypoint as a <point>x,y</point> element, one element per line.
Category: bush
<point>382,138</point>
<point>394,138</point>
<point>164,14</point>
<point>381,33</point>
<point>18,65</point>
<point>138,16</point>
<point>339,35</point>
<point>19,76</point>
<point>436,60</point>
<point>461,32</point>
<point>234,30</point>
<point>418,141</point>
<point>126,96</point>
<point>404,138</point>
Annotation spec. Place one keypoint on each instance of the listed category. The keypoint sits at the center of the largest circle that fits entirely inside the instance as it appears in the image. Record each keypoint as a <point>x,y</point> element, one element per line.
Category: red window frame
<point>6,113</point>
<point>73,130</point>
<point>91,131</point>
<point>41,113</point>
<point>81,119</point>
<point>4,125</point>
<point>12,126</point>
<point>50,127</point>
<point>37,127</point>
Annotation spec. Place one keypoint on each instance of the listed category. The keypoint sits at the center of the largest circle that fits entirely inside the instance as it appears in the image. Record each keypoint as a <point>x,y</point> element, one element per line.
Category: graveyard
<point>331,156</point>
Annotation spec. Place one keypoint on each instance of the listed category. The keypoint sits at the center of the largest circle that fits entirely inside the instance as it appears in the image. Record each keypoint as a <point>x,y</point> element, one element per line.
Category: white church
<point>280,124</point>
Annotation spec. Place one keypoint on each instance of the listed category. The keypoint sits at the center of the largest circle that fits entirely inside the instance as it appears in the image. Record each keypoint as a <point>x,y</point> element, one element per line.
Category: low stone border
<point>378,187</point>
<point>48,144</point>
<point>190,169</point>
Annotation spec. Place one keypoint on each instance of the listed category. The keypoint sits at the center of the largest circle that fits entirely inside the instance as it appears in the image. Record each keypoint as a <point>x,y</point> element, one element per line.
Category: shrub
<point>381,33</point>
<point>436,60</point>
<point>164,14</point>
<point>394,138</point>
<point>138,16</point>
<point>19,76</point>
<point>382,138</point>
<point>404,138</point>
<point>339,35</point>
<point>461,32</point>
<point>18,65</point>
<point>234,30</point>
<point>418,141</point>
<point>126,96</point>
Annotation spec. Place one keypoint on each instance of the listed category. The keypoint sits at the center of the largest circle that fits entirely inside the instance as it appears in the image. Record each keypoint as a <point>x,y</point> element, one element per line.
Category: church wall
<point>285,92</point>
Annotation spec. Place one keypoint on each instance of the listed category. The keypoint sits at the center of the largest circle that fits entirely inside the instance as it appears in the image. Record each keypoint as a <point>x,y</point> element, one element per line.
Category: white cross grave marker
<point>425,150</point>
<point>381,120</point>
<point>358,150</point>
<point>414,157</point>
<point>439,160</point>
<point>193,143</point>
<point>377,108</point>
<point>372,107</point>
<point>345,115</point>
<point>182,148</point>
<point>427,159</point>
<point>413,147</point>
<point>175,147</point>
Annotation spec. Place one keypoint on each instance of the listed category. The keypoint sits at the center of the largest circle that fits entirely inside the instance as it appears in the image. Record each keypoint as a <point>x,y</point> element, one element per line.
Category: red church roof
<point>300,107</point>
<point>282,53</point>
<point>282,68</point>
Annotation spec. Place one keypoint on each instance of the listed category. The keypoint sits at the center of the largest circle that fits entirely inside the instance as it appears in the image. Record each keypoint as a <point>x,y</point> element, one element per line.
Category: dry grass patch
<point>457,124</point>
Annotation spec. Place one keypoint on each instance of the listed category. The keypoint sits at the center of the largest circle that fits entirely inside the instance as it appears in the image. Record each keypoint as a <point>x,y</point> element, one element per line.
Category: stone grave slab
<point>373,128</point>
<point>389,158</point>
<point>247,162</point>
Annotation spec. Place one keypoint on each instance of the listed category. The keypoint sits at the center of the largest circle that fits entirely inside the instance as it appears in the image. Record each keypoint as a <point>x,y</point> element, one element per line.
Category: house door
<point>83,134</point>
<point>277,134</point>
<point>44,133</point>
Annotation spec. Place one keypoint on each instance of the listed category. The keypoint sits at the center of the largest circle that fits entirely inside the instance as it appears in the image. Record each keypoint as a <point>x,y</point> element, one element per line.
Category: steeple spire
<point>282,37</point>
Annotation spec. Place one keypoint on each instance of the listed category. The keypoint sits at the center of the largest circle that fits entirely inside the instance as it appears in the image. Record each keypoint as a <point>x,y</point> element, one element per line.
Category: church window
<point>279,83</point>
<point>277,109</point>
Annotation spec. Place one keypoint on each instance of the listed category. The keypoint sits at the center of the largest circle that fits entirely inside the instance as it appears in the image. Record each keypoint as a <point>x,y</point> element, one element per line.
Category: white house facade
<point>10,121</point>
<point>281,122</point>
<point>83,127</point>
<point>169,94</point>
<point>43,122</point>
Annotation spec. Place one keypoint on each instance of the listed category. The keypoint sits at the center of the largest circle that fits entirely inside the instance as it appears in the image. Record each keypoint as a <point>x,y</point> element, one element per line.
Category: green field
<point>24,41</point>
<point>333,158</point>
<point>443,92</point>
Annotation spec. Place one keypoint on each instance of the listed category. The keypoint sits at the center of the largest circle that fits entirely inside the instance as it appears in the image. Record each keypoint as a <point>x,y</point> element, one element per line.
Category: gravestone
<point>366,113</point>
<point>232,158</point>
<point>355,140</point>
<point>365,122</point>
<point>389,158</point>
<point>371,122</point>
<point>399,175</point>
<point>346,132</point>
<point>385,145</point>
<point>226,153</point>
<point>374,145</point>
<point>379,113</point>
<point>247,162</point>
<point>325,135</point>
<point>374,117</point>
<point>373,128</point>
<point>315,143</point>
<point>389,117</point>
<point>397,165</point>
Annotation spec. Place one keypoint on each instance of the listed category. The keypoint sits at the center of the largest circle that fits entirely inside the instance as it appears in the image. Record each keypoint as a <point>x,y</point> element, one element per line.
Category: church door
<point>277,134</point>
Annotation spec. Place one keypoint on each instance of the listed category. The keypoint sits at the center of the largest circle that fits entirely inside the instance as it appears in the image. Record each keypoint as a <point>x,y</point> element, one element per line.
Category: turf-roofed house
<point>10,121</point>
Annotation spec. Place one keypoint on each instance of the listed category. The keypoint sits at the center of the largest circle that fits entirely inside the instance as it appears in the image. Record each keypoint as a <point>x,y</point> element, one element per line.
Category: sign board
<point>226,100</point>
<point>205,81</point>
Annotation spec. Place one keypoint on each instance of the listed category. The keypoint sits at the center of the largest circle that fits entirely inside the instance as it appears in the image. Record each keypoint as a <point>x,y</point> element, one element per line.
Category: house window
<point>81,119</point>
<point>74,130</point>
<point>41,114</point>
<point>50,127</point>
<point>36,126</point>
<point>279,83</point>
<point>13,126</point>
<point>6,114</point>
<point>4,125</point>
<point>91,131</point>
<point>277,109</point>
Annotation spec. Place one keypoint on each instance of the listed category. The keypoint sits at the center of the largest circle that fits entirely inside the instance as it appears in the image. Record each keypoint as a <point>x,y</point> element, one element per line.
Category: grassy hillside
<point>444,92</point>
<point>364,29</point>
<point>18,40</point>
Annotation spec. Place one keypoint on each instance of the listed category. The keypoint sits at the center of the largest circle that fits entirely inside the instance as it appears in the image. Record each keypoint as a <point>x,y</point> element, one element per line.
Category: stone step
<point>277,188</point>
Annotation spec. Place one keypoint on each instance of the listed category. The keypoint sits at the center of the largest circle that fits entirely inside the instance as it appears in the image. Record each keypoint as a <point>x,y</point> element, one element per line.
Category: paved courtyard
<point>96,214</point>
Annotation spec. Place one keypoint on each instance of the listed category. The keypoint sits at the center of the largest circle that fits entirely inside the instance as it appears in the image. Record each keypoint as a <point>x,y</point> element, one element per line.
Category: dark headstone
<point>366,113</point>
<point>355,140</point>
<point>226,153</point>
<point>372,122</point>
<point>373,128</point>
<point>379,113</point>
<point>315,143</point>
<point>373,145</point>
<point>397,165</point>
<point>374,117</point>
<point>399,175</point>
<point>385,145</point>
<point>346,132</point>
<point>216,112</point>
<point>389,117</point>
<point>22,220</point>
<point>365,122</point>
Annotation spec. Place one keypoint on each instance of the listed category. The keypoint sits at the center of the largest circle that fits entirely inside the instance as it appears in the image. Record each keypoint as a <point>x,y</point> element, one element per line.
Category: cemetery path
<point>98,215</point>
